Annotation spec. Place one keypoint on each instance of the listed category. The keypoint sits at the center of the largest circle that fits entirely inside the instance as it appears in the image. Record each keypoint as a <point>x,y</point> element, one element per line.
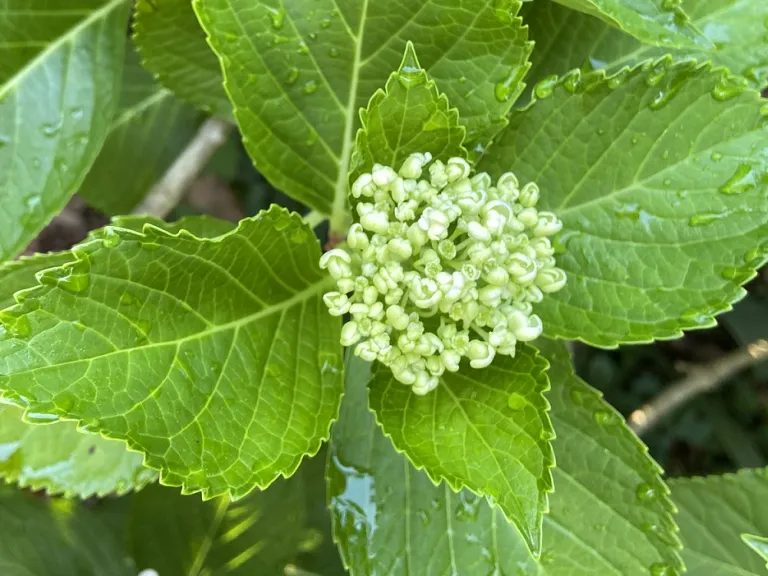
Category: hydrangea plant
<point>480,182</point>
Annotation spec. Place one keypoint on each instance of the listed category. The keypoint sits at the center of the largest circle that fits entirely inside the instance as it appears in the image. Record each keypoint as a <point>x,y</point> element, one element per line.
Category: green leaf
<point>19,274</point>
<point>610,513</point>
<point>410,116</point>
<point>662,23</point>
<point>177,535</point>
<point>298,72</point>
<point>718,515</point>
<point>215,358</point>
<point>202,226</point>
<point>566,39</point>
<point>487,430</point>
<point>55,538</point>
<point>59,85</point>
<point>173,48</point>
<point>660,177</point>
<point>758,544</point>
<point>59,459</point>
<point>389,518</point>
<point>149,129</point>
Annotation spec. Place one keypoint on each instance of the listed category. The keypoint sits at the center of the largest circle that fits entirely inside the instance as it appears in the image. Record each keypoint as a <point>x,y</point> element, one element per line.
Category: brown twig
<point>170,189</point>
<point>701,378</point>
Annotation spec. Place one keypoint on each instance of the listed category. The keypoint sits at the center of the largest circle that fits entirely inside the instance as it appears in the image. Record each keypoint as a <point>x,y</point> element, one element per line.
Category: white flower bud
<point>376,311</point>
<point>366,351</point>
<point>551,279</point>
<point>480,354</point>
<point>435,223</point>
<point>472,203</point>
<point>363,186</point>
<point>490,295</point>
<point>417,236</point>
<point>398,191</point>
<point>349,333</point>
<point>456,168</point>
<point>337,263</point>
<point>497,276</point>
<point>528,217</point>
<point>397,317</point>
<point>338,304</point>
<point>478,232</point>
<point>435,366</point>
<point>533,294</point>
<point>437,175</point>
<point>375,221</point>
<point>345,285</point>
<point>400,247</point>
<point>507,187</point>
<point>450,359</point>
<point>424,383</point>
<point>383,176</point>
<point>481,181</point>
<point>530,330</point>
<point>529,195</point>
<point>547,225</point>
<point>414,164</point>
<point>542,247</point>
<point>406,211</point>
<point>522,268</point>
<point>357,238</point>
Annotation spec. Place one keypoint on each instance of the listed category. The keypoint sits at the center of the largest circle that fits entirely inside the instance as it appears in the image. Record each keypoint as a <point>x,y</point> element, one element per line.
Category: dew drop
<point>578,397</point>
<point>571,81</point>
<point>517,401</point>
<point>67,278</point>
<point>326,23</point>
<point>629,211</point>
<point>716,157</point>
<point>50,129</point>
<point>143,325</point>
<point>548,558</point>
<point>299,235</point>
<point>311,137</point>
<point>16,325</point>
<point>277,17</point>
<point>545,87</point>
<point>603,418</point>
<point>410,72</point>
<point>111,239</point>
<point>743,180</point>
<point>706,218</point>
<point>424,517</point>
<point>40,418</point>
<point>670,5</point>
<point>462,80</point>
<point>76,113</point>
<point>618,79</point>
<point>4,141</point>
<point>635,139</point>
<point>561,241</point>
<point>293,75</point>
<point>127,299</point>
<point>333,52</point>
<point>313,36</point>
<point>303,48</point>
<point>79,326</point>
<point>645,492</point>
<point>310,87</point>
<point>663,570</point>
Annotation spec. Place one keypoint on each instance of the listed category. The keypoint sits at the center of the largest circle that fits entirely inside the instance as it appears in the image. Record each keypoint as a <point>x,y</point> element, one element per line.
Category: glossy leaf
<point>19,274</point>
<point>173,48</point>
<point>59,85</point>
<point>215,358</point>
<point>177,535</point>
<point>389,518</point>
<point>202,226</point>
<point>610,513</point>
<point>55,538</point>
<point>567,39</point>
<point>59,459</point>
<point>659,175</point>
<point>148,131</point>
<point>662,23</point>
<point>298,72</point>
<point>487,430</point>
<point>410,116</point>
<point>722,519</point>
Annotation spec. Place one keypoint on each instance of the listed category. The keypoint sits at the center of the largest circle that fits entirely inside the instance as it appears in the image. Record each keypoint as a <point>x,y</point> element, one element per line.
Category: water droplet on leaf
<point>604,418</point>
<point>310,87</point>
<point>545,87</point>
<point>706,218</point>
<point>517,401</point>
<point>743,180</point>
<point>645,492</point>
<point>293,75</point>
<point>277,17</point>
<point>333,52</point>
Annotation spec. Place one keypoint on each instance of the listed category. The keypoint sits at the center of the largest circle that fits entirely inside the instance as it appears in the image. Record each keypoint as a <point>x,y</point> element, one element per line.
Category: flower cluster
<point>441,268</point>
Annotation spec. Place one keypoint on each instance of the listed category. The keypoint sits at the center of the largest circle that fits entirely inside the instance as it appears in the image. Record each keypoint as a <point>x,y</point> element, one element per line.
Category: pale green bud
<point>529,195</point>
<point>417,236</point>
<point>521,267</point>
<point>497,276</point>
<point>480,354</point>
<point>397,317</point>
<point>349,333</point>
<point>547,225</point>
<point>435,366</point>
<point>437,175</point>
<point>370,295</point>
<point>338,304</point>
<point>478,232</point>
<point>414,164</point>
<point>394,296</point>
<point>337,262</point>
<point>363,186</point>
<point>528,217</point>
<point>481,181</point>
<point>456,168</point>
<point>550,279</point>
<point>447,249</point>
<point>450,359</point>
<point>479,253</point>
<point>530,330</point>
<point>542,246</point>
<point>376,311</point>
<point>507,186</point>
<point>435,223</point>
<point>406,210</point>
<point>383,176</point>
<point>366,351</point>
<point>357,238</point>
<point>401,248</point>
<point>375,221</point>
<point>490,295</point>
<point>424,383</point>
<point>398,191</point>
<point>533,294</point>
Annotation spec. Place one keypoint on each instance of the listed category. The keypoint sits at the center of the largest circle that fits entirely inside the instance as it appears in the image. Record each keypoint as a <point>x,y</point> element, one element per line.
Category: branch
<point>702,378</point>
<point>170,189</point>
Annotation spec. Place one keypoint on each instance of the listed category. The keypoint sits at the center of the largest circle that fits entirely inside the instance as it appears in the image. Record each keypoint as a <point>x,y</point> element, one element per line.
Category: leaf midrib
<point>40,58</point>
<point>299,297</point>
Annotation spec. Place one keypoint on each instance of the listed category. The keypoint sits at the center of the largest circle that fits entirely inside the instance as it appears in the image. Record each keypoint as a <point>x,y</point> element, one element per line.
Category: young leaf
<point>177,535</point>
<point>722,519</point>
<point>149,129</point>
<point>215,358</point>
<point>298,72</point>
<point>567,39</point>
<point>485,430</point>
<point>55,538</point>
<point>410,116</point>
<point>59,85</point>
<point>660,177</point>
<point>59,459</point>
<point>173,48</point>
<point>661,23</point>
<point>389,518</point>
<point>610,513</point>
